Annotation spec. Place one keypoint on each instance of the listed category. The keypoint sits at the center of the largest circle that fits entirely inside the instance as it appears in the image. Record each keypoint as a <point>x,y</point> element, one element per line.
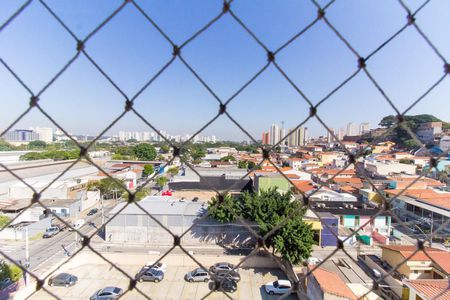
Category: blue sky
<point>131,51</point>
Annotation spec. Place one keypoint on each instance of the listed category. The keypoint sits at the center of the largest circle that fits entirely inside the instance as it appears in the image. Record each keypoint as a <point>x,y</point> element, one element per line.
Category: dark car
<point>221,266</point>
<point>63,279</point>
<point>227,285</point>
<point>92,211</point>
<point>232,274</point>
<point>5,283</point>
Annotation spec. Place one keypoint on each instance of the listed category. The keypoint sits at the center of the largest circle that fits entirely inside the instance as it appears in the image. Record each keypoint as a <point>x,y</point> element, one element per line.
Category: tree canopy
<point>293,241</point>
<point>400,135</point>
<point>144,151</point>
<point>4,220</point>
<point>148,170</point>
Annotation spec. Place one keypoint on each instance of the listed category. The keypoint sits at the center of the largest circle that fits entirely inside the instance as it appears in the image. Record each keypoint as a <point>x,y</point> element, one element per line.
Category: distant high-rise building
<point>330,138</point>
<point>297,137</point>
<point>352,130</point>
<point>282,135</point>
<point>45,134</point>
<point>213,139</point>
<point>274,134</point>
<point>341,133</point>
<point>265,138</point>
<point>305,136</point>
<point>364,128</point>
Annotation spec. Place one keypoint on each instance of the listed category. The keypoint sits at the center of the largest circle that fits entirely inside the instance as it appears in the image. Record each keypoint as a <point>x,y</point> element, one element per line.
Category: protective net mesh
<point>362,64</point>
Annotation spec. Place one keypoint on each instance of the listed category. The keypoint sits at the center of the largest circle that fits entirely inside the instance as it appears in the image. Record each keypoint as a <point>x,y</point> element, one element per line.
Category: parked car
<point>278,287</point>
<point>195,199</point>
<point>227,285</point>
<point>63,279</point>
<point>107,293</point>
<point>313,260</point>
<point>376,273</point>
<point>5,283</point>
<point>92,212</point>
<point>166,193</point>
<point>150,274</point>
<point>197,275</point>
<point>159,266</point>
<point>221,266</point>
<point>229,274</point>
<point>50,232</point>
<point>78,224</point>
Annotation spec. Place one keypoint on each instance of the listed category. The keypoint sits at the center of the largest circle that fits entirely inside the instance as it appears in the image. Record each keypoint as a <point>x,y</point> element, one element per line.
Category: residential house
<point>426,289</point>
<point>431,263</point>
<point>326,285</point>
<point>428,207</point>
<point>387,168</point>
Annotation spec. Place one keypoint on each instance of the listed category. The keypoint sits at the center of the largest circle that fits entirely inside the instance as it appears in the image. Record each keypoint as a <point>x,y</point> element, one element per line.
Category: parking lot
<point>94,277</point>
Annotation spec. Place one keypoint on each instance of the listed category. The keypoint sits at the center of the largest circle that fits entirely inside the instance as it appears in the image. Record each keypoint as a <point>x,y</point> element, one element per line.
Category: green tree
<point>5,146</point>
<point>293,241</point>
<point>164,149</point>
<point>242,164</point>
<point>226,211</point>
<point>145,151</point>
<point>4,220</point>
<point>37,145</point>
<point>173,171</point>
<point>161,181</point>
<point>10,271</point>
<point>15,273</point>
<point>106,186</point>
<point>228,158</point>
<point>148,170</point>
<point>405,161</point>
<point>388,121</point>
<point>410,143</point>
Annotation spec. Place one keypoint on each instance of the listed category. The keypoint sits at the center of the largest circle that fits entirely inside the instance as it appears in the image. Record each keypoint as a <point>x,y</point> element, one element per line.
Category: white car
<point>159,266</point>
<point>313,260</point>
<point>77,224</point>
<point>278,287</point>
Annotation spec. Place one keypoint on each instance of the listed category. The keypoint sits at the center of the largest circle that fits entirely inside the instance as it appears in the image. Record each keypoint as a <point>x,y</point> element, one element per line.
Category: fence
<point>362,65</point>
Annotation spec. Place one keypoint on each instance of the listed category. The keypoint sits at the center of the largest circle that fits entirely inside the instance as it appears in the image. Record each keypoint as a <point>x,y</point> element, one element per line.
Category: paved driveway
<point>94,277</point>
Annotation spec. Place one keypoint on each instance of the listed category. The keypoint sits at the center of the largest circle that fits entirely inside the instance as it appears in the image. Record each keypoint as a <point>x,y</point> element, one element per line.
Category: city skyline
<point>317,62</point>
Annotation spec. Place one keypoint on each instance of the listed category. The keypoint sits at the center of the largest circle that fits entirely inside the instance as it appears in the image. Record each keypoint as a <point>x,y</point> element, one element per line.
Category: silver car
<point>63,279</point>
<point>197,275</point>
<point>107,293</point>
<point>150,274</point>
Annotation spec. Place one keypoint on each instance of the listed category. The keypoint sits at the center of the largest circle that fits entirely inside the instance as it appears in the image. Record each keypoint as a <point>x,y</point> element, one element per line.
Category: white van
<point>78,224</point>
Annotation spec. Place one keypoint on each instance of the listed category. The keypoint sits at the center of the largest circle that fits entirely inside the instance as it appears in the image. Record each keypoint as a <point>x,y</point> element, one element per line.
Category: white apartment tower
<point>364,128</point>
<point>352,130</point>
<point>274,134</point>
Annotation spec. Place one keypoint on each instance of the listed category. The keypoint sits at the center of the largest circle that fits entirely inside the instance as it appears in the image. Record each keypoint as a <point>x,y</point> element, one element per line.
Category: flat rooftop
<point>162,205</point>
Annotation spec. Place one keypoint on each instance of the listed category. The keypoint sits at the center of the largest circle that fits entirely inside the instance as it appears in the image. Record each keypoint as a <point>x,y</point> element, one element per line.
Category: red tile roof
<point>440,258</point>
<point>331,283</point>
<point>427,196</point>
<point>438,289</point>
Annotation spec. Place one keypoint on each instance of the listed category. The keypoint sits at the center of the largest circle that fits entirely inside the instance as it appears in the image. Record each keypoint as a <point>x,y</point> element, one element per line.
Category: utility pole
<point>27,256</point>
<point>76,232</point>
<point>103,214</point>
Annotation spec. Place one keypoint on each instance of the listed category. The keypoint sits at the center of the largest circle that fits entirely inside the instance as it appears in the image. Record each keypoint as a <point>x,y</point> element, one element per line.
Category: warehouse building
<point>133,225</point>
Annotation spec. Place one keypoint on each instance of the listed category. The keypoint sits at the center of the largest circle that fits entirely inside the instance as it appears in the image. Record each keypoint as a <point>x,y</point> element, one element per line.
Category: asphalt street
<point>44,253</point>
